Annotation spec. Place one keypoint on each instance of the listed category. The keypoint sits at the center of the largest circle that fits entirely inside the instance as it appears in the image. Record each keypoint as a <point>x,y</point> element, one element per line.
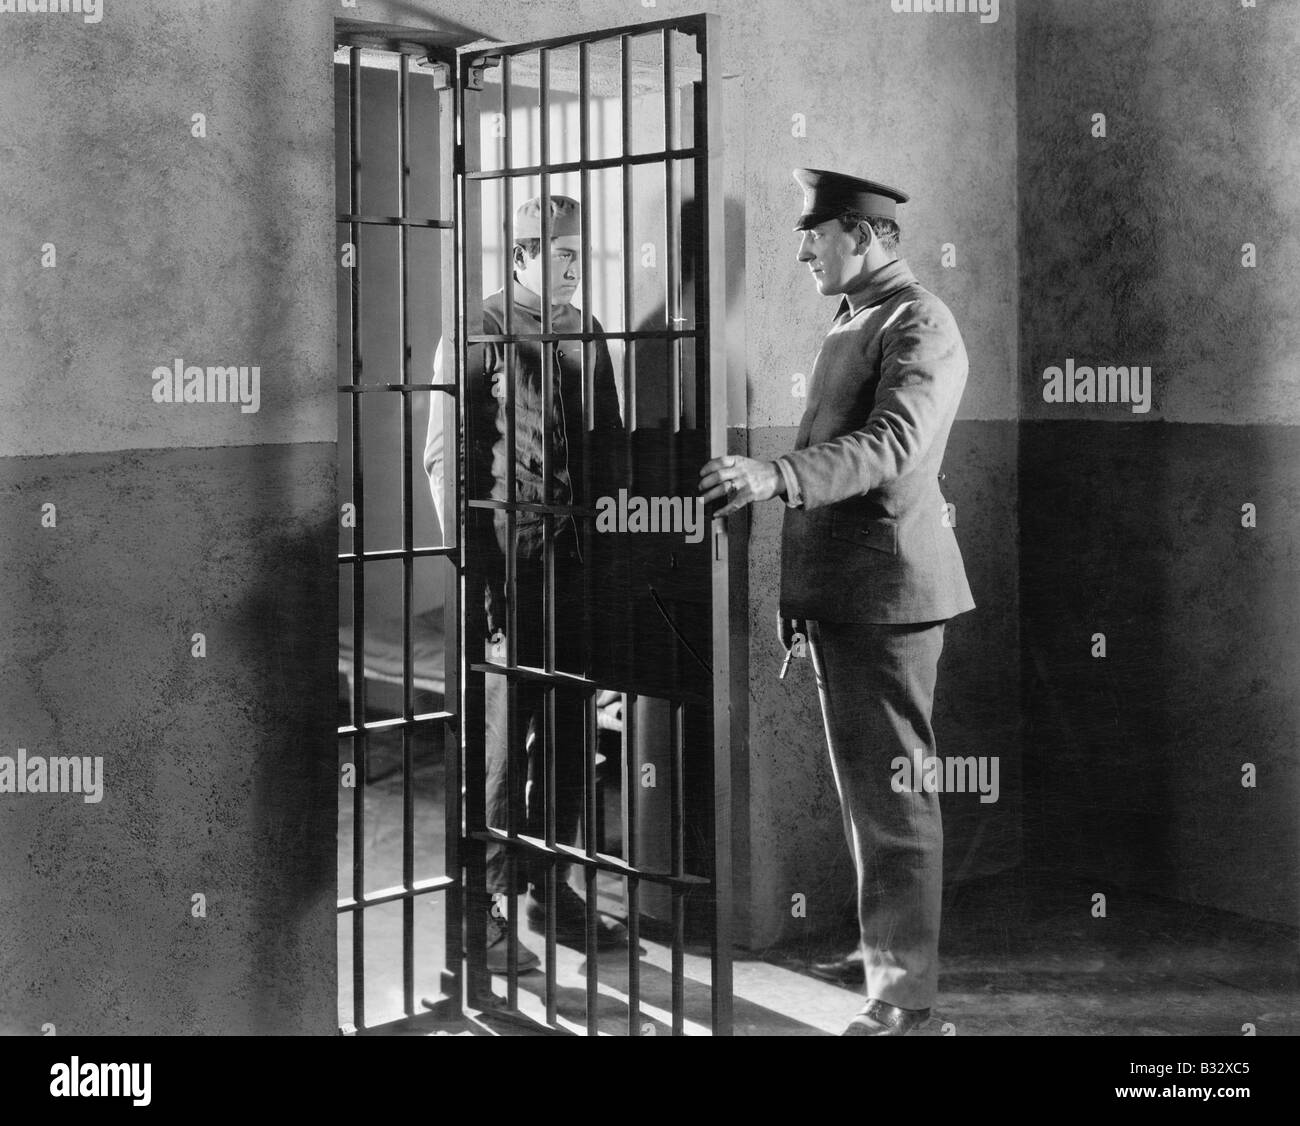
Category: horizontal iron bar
<point>424,719</point>
<point>395,221</point>
<point>552,337</point>
<point>396,894</point>
<point>602,862</point>
<point>533,675</point>
<point>687,25</point>
<point>562,166</point>
<point>397,553</point>
<point>529,506</point>
<point>366,388</point>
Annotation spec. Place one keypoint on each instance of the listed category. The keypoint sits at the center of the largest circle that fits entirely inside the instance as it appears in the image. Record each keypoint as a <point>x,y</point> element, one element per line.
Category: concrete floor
<point>1019,957</point>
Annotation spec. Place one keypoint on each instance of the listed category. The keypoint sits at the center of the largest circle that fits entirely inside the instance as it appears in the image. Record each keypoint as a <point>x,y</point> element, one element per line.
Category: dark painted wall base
<point>1134,763</point>
<point>219,771</point>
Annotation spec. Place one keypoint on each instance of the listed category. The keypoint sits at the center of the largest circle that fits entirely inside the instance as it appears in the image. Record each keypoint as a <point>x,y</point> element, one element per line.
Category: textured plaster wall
<point>1132,524</point>
<point>168,245</point>
<point>171,520</point>
<point>1132,244</point>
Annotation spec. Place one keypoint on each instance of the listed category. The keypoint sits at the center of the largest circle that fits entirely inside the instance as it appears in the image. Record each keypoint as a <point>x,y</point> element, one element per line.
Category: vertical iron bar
<point>359,748</point>
<point>590,814</point>
<point>677,822</point>
<point>584,200</point>
<point>408,536</point>
<point>589,833</point>
<point>629,475</point>
<point>629,362</point>
<point>673,413</point>
<point>469,319</point>
<point>672,274</point>
<point>631,793</point>
<point>507,202</point>
<point>549,396</point>
<point>516,764</point>
<point>589,354</point>
<point>454,678</point>
<point>711,363</point>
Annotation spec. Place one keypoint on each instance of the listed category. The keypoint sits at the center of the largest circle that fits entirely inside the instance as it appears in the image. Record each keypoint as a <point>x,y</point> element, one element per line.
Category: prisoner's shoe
<point>571,920</point>
<point>498,941</point>
<point>880,1019</point>
<point>847,970</point>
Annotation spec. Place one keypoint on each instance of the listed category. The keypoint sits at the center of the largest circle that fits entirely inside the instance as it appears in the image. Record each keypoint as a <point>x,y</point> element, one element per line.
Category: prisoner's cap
<point>827,195</point>
<point>564,218</point>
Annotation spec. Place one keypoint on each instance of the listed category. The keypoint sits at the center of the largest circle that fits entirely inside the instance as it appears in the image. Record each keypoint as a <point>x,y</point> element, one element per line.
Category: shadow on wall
<point>286,625</point>
<point>287,642</point>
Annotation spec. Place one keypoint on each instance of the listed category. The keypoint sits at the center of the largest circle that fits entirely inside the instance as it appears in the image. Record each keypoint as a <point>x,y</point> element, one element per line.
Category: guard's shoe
<point>880,1019</point>
<point>571,920</point>
<point>498,941</point>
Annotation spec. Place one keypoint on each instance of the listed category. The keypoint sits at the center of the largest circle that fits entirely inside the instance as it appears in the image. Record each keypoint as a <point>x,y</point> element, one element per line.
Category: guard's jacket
<point>867,536</point>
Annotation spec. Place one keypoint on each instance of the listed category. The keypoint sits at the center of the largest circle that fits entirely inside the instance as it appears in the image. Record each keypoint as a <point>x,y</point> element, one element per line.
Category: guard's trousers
<point>876,684</point>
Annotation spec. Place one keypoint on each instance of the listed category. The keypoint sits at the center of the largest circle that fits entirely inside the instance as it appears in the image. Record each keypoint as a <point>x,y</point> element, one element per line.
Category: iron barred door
<point>564,692</point>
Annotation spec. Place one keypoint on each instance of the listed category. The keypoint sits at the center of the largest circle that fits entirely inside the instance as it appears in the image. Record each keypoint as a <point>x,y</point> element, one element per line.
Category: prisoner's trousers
<point>530,733</point>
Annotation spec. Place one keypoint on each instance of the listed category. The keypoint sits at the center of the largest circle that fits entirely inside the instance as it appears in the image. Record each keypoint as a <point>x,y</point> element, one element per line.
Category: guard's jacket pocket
<point>880,532</point>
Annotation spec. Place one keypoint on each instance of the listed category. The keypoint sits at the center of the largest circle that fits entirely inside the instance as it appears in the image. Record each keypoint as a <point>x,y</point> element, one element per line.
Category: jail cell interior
<point>397,590</point>
<point>616,122</point>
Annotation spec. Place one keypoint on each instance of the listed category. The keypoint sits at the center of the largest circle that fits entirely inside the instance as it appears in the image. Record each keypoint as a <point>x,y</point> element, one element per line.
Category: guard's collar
<point>876,286</point>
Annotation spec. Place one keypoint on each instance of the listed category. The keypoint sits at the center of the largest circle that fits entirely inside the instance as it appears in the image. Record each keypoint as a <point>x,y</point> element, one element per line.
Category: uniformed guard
<point>870,570</point>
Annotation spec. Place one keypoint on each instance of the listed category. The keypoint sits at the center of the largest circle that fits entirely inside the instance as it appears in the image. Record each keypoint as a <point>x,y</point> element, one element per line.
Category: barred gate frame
<point>467,833</point>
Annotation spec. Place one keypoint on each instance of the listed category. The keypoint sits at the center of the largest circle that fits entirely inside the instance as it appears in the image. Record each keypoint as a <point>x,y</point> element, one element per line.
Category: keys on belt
<point>798,644</point>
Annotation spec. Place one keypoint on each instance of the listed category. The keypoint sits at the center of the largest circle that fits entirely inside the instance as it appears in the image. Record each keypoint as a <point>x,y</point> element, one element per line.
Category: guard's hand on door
<point>738,481</point>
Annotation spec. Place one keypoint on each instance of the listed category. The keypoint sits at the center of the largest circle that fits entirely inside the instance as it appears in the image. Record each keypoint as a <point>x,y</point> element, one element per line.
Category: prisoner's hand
<point>494,610</point>
<point>609,710</point>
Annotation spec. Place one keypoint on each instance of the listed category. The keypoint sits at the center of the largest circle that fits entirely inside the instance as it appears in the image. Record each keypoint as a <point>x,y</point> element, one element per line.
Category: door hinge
<point>440,68</point>
<point>476,68</point>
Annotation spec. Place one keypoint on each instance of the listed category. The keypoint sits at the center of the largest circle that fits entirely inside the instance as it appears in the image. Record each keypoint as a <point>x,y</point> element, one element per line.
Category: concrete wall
<point>1132,523</point>
<point>170,520</point>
